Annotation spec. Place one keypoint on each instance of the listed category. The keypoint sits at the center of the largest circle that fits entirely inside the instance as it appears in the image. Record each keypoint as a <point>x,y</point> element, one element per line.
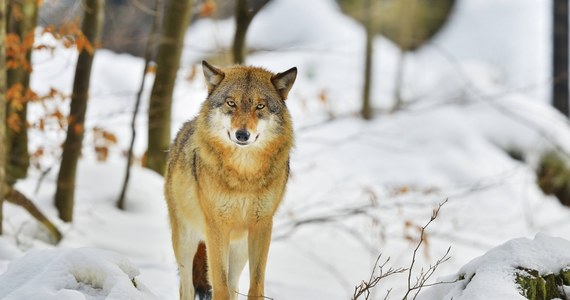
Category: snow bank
<point>84,273</point>
<point>492,276</point>
<point>465,109</point>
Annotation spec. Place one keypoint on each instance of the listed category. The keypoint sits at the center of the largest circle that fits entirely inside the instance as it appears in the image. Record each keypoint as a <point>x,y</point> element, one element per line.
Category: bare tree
<point>91,28</point>
<point>560,56</point>
<point>21,24</point>
<point>407,23</point>
<point>245,11</point>
<point>175,22</point>
<point>147,57</point>
<point>2,105</point>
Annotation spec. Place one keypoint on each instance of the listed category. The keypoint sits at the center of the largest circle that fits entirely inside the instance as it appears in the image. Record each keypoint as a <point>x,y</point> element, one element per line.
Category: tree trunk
<point>399,82</point>
<point>366,111</point>
<point>91,27</point>
<point>406,43</point>
<point>560,56</point>
<point>151,42</point>
<point>2,106</point>
<point>242,24</point>
<point>245,11</point>
<point>175,23</point>
<point>17,139</point>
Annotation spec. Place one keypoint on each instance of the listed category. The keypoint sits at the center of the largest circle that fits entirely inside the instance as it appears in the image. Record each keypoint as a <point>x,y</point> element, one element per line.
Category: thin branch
<point>332,217</point>
<point>424,276</point>
<point>147,10</point>
<point>365,287</point>
<point>147,59</point>
<point>248,296</point>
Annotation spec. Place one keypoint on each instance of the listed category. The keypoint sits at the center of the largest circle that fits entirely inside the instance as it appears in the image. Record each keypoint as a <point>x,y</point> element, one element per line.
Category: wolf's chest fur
<point>241,184</point>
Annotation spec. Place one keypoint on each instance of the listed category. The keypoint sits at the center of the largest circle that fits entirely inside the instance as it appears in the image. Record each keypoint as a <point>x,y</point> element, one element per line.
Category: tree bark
<point>175,23</point>
<point>560,56</point>
<point>147,58</point>
<point>17,140</point>
<point>91,27</point>
<point>366,110</point>
<point>2,106</point>
<point>245,11</point>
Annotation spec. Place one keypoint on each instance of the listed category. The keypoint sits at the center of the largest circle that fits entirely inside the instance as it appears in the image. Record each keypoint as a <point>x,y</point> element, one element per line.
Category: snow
<point>477,92</point>
<point>83,273</point>
<point>492,276</point>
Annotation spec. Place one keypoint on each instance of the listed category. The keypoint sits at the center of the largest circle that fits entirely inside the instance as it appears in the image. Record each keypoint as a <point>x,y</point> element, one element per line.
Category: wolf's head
<point>246,105</point>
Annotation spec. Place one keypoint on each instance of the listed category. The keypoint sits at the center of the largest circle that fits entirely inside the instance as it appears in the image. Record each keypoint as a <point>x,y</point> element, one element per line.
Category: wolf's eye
<point>260,106</point>
<point>231,103</point>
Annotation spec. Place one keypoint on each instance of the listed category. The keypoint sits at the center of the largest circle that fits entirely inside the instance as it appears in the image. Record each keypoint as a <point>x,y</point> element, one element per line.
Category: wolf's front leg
<point>258,244</point>
<point>217,248</point>
<point>185,241</point>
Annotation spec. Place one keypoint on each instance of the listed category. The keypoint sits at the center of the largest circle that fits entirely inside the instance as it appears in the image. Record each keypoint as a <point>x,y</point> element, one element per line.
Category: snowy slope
<point>465,110</point>
<point>492,276</point>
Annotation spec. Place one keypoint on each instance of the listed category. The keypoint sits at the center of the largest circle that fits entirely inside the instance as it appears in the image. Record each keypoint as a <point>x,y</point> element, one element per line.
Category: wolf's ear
<point>284,81</point>
<point>213,75</point>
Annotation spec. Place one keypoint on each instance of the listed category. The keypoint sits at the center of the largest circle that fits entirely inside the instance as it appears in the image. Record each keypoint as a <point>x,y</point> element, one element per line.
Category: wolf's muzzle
<point>242,135</point>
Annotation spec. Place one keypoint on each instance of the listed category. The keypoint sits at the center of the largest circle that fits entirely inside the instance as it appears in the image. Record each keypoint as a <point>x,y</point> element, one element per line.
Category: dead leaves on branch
<point>70,35</point>
<point>103,140</point>
<point>207,9</point>
<point>17,50</point>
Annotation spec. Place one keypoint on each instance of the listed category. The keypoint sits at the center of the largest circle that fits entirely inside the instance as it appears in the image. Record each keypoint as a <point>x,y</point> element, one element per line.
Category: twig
<point>332,217</point>
<point>424,276</point>
<point>146,10</point>
<point>44,174</point>
<point>365,286</point>
<point>246,295</point>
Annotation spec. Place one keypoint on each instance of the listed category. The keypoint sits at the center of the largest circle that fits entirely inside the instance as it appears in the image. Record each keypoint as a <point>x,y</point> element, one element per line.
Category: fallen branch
<point>15,197</point>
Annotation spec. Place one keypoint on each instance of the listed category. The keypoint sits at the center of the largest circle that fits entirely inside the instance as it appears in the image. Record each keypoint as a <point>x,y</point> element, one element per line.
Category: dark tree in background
<point>560,56</point>
<point>366,110</point>
<point>245,11</point>
<point>21,24</point>
<point>175,23</point>
<point>91,27</point>
<point>2,106</point>
<point>407,23</point>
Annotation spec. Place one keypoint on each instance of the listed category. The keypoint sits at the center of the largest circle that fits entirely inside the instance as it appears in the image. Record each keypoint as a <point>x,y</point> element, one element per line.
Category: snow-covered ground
<point>477,92</point>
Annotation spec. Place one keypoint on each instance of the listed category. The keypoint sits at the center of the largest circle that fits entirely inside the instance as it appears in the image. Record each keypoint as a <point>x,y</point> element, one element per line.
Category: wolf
<point>226,175</point>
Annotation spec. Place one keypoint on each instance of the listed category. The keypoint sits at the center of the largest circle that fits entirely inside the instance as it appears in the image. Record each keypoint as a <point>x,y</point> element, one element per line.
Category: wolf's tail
<point>200,274</point>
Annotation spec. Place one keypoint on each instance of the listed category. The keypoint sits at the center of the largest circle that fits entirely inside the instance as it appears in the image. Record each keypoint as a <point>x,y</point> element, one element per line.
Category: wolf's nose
<point>242,135</point>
